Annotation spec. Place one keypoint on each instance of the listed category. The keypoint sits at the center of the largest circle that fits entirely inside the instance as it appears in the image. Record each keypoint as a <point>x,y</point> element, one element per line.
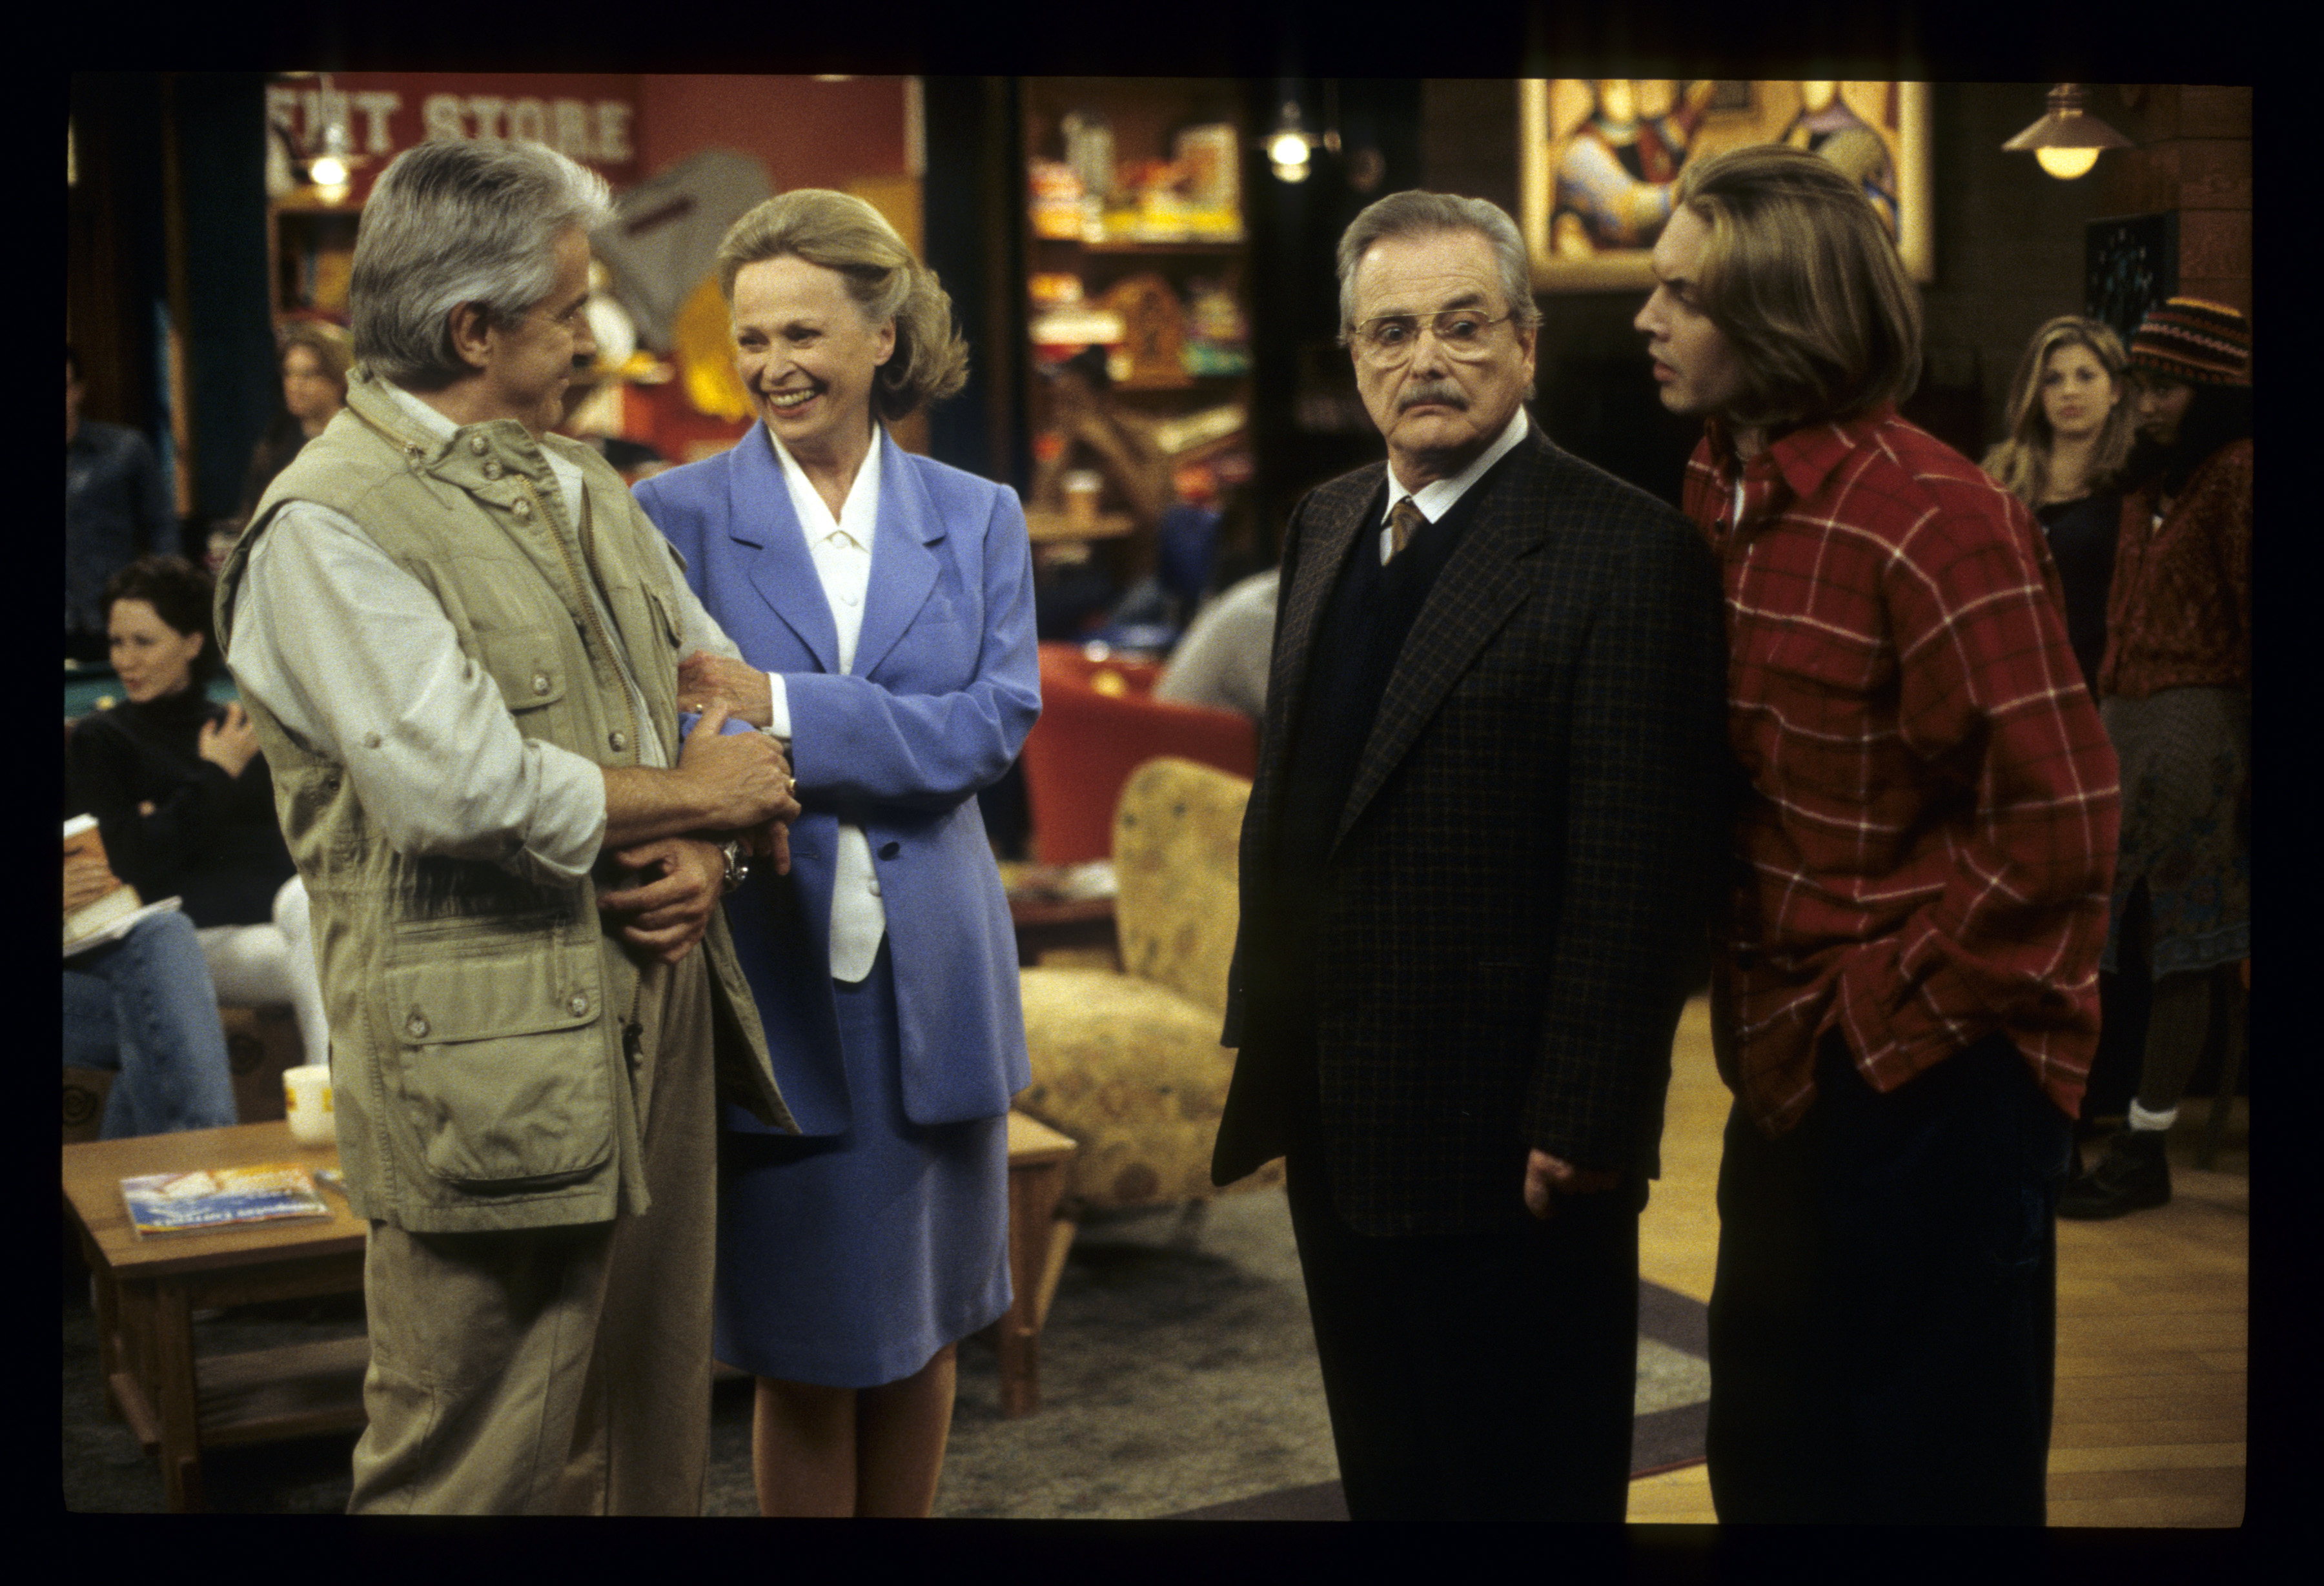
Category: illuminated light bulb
<point>1288,149</point>
<point>329,171</point>
<point>2066,164</point>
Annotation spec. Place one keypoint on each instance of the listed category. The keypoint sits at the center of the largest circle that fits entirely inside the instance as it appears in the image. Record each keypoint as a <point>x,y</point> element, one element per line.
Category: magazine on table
<point>214,1197</point>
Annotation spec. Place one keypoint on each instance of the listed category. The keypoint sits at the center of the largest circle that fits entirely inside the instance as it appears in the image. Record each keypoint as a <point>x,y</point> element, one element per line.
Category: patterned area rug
<point>1177,1380</point>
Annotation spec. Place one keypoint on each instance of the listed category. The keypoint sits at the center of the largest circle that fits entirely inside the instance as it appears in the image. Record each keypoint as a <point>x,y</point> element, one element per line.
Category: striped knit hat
<point>2199,342</point>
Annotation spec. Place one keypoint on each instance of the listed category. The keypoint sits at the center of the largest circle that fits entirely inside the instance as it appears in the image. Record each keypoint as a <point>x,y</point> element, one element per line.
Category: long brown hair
<point>1800,274</point>
<point>2022,462</point>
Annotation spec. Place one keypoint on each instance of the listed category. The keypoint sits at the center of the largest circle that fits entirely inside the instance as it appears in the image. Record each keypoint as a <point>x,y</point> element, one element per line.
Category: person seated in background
<point>313,363</point>
<point>2069,430</point>
<point>1222,660</point>
<point>183,801</point>
<point>142,1007</point>
<point>117,508</point>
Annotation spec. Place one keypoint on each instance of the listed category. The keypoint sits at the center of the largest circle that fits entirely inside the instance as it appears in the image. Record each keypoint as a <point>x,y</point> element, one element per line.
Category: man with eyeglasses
<point>458,639</point>
<point>1475,870</point>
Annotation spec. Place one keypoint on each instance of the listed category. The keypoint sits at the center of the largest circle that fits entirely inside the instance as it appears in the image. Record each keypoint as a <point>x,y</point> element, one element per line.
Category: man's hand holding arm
<point>738,783</point>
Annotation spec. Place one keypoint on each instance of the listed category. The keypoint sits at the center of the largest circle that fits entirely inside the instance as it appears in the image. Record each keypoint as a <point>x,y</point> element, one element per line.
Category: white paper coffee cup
<point>306,1103</point>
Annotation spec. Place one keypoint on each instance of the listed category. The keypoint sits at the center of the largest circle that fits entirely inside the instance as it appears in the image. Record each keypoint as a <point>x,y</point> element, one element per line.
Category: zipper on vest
<point>588,608</point>
<point>632,1042</point>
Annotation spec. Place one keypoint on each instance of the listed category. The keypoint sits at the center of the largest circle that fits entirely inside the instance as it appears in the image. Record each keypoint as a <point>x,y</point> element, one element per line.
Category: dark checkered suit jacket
<point>1525,862</point>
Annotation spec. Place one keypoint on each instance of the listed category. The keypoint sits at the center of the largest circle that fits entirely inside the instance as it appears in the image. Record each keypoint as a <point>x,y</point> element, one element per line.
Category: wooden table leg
<point>176,1400</point>
<point>105,1301</point>
<point>1033,1192</point>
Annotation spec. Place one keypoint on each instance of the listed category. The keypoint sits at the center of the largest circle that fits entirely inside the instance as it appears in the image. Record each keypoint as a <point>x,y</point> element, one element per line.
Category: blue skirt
<point>849,1261</point>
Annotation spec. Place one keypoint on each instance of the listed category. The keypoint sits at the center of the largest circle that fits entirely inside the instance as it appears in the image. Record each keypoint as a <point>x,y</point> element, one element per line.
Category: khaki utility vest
<point>485,1073</point>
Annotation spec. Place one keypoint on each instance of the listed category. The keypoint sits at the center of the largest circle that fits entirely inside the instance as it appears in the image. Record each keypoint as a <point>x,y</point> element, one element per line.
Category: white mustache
<point>1442,391</point>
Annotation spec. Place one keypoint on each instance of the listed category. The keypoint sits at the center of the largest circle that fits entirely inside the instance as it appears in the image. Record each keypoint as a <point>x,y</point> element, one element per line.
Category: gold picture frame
<point>1599,158</point>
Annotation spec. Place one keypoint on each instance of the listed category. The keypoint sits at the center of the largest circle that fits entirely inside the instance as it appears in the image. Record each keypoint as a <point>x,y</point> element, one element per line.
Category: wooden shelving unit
<point>1134,242</point>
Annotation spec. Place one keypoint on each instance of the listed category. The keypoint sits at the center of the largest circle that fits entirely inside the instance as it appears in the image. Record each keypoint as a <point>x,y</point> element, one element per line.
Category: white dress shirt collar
<point>1437,498</point>
<point>858,515</point>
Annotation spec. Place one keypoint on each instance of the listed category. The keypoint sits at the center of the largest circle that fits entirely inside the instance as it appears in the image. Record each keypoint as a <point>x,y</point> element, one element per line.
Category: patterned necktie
<point>1403,523</point>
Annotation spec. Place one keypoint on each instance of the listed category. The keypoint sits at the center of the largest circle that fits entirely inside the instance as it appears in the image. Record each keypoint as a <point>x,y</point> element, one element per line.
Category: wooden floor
<point>2152,1323</point>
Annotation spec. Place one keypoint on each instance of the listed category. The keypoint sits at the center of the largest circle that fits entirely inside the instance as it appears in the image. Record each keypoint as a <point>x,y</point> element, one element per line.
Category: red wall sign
<point>376,115</point>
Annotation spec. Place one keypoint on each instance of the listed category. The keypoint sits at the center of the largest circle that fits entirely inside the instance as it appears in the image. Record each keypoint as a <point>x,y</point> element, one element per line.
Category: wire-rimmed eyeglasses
<point>1390,338</point>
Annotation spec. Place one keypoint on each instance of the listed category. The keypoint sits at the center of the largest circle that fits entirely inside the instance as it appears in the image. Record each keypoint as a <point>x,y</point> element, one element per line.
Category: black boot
<point>2132,1176</point>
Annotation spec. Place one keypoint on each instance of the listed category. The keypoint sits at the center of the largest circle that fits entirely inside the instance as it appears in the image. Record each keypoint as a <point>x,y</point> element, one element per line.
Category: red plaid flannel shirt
<point>1926,849</point>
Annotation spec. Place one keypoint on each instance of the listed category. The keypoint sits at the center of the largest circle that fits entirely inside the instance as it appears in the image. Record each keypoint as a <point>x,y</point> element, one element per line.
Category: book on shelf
<point>215,1197</point>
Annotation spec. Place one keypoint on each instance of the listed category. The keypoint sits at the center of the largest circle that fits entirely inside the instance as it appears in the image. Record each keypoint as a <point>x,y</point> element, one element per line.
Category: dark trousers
<point>1884,1319</point>
<point>1483,1376</point>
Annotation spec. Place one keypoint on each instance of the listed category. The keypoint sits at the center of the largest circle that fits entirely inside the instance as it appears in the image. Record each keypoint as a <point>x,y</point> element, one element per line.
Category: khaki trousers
<point>560,1370</point>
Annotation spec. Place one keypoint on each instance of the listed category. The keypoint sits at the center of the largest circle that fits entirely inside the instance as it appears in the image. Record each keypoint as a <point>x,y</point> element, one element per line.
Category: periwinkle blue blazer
<point>945,686</point>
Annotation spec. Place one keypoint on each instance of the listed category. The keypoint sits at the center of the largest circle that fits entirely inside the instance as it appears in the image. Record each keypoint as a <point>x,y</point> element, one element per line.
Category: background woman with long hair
<point>2070,432</point>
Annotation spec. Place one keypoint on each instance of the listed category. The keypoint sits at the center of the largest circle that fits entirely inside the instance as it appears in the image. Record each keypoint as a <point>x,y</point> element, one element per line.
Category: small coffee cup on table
<point>307,1104</point>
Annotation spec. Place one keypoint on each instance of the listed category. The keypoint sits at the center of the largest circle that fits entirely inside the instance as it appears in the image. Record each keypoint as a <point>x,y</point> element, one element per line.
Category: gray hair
<point>1416,213</point>
<point>460,221</point>
<point>844,233</point>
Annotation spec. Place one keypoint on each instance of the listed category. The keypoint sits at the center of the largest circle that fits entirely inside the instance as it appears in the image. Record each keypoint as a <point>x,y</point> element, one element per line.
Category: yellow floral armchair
<point>1129,1064</point>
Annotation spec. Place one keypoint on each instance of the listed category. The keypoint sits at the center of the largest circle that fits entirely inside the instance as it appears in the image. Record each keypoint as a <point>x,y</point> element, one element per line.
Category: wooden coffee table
<point>177,1404</point>
<point>147,1290</point>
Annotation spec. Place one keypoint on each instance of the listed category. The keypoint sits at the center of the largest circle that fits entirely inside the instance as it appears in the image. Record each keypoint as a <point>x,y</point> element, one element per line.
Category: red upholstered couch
<point>1098,724</point>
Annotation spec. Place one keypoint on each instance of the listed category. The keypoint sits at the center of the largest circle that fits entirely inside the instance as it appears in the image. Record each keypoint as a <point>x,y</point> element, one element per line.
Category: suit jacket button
<point>523,511</point>
<point>479,445</point>
<point>541,682</point>
<point>416,1027</point>
<point>619,740</point>
<point>492,469</point>
<point>578,1005</point>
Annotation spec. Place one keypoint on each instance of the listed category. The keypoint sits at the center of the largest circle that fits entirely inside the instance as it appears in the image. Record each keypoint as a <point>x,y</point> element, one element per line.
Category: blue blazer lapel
<point>903,566</point>
<point>760,515</point>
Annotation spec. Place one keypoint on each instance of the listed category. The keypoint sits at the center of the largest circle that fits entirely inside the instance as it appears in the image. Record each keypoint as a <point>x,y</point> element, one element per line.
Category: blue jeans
<point>144,1005</point>
<point>1884,1319</point>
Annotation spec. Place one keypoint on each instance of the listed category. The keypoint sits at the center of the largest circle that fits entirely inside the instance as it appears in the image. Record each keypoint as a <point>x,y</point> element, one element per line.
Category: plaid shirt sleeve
<point>1932,840</point>
<point>1991,700</point>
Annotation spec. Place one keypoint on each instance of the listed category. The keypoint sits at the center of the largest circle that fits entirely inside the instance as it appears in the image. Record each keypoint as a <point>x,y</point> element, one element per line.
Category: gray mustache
<point>1443,391</point>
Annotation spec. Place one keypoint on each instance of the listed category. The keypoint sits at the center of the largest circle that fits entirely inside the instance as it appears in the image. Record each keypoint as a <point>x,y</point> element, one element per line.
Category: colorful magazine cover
<point>178,1202</point>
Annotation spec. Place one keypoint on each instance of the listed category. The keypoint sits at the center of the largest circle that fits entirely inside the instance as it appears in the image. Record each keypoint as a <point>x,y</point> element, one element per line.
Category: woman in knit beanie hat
<point>2175,693</point>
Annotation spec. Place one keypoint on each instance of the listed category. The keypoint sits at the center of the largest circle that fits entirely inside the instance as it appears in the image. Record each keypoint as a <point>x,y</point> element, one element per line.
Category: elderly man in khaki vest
<point>459,641</point>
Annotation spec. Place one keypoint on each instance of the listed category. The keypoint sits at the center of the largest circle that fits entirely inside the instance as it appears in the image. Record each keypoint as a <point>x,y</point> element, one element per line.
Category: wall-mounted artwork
<point>2130,263</point>
<point>1602,158</point>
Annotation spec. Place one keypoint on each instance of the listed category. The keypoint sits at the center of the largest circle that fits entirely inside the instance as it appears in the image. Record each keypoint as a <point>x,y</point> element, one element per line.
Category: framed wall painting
<point>2130,263</point>
<point>1601,158</point>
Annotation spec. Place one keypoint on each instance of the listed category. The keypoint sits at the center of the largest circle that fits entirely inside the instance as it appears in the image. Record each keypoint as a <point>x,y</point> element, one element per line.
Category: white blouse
<point>841,549</point>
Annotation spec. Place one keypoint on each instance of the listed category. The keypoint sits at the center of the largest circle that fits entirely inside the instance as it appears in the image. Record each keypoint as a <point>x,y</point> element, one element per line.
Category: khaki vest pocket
<point>503,1063</point>
<point>526,663</point>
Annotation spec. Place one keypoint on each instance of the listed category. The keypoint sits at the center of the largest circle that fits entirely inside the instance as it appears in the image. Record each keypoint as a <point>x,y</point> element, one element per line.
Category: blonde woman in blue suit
<point>884,605</point>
